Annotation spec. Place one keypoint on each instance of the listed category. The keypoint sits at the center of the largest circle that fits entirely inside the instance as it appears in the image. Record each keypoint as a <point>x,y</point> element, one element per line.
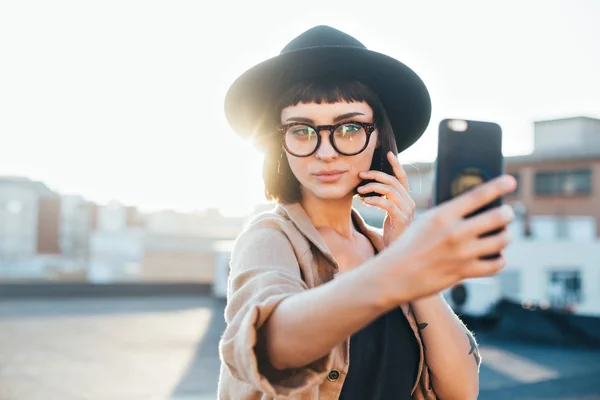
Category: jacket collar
<point>296,213</point>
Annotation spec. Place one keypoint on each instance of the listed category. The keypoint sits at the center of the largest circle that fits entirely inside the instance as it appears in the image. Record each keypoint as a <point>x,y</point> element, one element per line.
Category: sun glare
<point>239,182</point>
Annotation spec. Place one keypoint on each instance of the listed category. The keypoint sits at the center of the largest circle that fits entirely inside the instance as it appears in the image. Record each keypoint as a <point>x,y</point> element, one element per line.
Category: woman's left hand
<point>395,198</point>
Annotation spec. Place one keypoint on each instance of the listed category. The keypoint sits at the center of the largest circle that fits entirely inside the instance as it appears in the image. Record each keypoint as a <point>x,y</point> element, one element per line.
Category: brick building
<point>553,258</point>
<point>561,177</point>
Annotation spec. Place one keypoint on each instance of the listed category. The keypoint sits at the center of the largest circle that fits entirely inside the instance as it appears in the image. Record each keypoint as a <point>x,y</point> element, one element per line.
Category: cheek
<point>365,159</point>
<point>364,162</point>
<point>298,166</point>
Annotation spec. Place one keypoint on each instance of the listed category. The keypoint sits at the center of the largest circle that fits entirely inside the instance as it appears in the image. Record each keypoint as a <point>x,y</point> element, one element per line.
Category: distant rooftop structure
<point>581,154</point>
<point>39,187</point>
<point>579,136</point>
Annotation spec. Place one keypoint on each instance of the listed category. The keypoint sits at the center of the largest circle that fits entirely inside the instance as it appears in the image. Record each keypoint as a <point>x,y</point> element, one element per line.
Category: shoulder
<point>271,232</point>
<point>267,224</point>
<point>273,218</point>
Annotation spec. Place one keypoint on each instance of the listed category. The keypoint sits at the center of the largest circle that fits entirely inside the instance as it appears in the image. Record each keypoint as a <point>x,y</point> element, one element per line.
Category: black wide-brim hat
<point>321,52</point>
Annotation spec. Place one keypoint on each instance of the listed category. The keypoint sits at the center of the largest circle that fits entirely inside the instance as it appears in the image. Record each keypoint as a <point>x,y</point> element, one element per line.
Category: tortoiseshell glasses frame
<point>368,129</point>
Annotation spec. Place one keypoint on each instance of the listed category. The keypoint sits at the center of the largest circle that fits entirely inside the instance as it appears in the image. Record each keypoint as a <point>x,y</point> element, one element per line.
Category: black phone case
<point>384,166</point>
<point>466,157</point>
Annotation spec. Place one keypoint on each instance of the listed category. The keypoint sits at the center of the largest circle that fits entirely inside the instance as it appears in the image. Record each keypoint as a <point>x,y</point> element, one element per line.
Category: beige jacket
<point>281,253</point>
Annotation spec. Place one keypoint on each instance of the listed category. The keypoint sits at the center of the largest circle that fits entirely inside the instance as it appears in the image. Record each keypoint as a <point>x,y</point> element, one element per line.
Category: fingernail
<point>508,182</point>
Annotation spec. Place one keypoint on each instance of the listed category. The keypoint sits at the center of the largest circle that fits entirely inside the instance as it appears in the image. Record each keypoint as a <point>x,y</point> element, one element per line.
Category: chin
<point>332,192</point>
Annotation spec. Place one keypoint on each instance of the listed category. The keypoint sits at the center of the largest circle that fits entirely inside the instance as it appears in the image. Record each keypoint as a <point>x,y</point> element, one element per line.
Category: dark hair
<point>280,183</point>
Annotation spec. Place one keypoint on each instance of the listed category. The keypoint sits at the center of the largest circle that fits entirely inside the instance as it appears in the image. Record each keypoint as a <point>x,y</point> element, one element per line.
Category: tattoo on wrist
<point>474,349</point>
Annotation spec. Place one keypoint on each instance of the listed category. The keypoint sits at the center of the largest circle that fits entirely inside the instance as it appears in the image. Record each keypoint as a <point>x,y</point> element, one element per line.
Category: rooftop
<point>39,187</point>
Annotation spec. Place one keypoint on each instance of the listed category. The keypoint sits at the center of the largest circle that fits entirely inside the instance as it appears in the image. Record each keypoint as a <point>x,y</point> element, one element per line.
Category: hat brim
<point>250,101</point>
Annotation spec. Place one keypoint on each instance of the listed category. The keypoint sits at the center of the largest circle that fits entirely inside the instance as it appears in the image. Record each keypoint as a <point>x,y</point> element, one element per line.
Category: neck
<point>334,215</point>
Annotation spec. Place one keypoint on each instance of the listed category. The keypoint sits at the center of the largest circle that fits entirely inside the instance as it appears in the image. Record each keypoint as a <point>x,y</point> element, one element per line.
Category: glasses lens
<point>301,139</point>
<point>350,138</point>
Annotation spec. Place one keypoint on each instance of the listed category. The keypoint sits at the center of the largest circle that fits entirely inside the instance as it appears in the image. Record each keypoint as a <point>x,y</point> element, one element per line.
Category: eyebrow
<point>339,118</point>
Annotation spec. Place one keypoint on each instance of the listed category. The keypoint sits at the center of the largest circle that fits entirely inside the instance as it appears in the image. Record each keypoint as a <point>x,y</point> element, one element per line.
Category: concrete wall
<point>566,134</point>
<point>530,263</point>
<point>173,266</point>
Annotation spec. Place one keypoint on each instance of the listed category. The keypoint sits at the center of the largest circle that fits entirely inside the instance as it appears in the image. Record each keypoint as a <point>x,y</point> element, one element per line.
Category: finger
<point>402,200</point>
<point>389,191</point>
<point>482,247</point>
<point>481,268</point>
<point>384,178</point>
<point>480,196</point>
<point>386,204</point>
<point>490,220</point>
<point>398,170</point>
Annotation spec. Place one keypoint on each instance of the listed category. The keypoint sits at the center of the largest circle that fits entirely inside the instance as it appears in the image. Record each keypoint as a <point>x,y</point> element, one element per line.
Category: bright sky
<point>124,99</point>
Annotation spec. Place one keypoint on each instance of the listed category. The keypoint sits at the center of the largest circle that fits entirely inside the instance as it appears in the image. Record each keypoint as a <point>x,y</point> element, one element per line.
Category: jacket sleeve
<point>264,271</point>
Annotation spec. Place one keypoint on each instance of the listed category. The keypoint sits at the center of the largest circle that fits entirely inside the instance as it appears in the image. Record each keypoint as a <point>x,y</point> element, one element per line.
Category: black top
<point>384,360</point>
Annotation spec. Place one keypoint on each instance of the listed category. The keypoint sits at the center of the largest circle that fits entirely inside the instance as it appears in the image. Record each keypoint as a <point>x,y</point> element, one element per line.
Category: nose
<point>326,151</point>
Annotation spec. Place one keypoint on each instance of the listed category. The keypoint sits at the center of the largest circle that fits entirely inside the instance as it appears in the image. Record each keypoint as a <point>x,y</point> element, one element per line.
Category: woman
<point>320,305</point>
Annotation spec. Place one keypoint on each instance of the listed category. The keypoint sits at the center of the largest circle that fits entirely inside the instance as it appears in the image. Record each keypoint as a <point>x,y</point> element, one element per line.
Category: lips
<point>330,172</point>
<point>329,176</point>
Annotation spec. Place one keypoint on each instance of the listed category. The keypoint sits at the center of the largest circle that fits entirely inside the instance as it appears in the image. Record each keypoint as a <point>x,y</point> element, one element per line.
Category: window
<point>564,288</point>
<point>575,182</point>
<point>510,283</point>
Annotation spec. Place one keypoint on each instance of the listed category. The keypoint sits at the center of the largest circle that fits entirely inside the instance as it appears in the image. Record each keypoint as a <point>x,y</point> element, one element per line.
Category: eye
<point>348,130</point>
<point>302,132</point>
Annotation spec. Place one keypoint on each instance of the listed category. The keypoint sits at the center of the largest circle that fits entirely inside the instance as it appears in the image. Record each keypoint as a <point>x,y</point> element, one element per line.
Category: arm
<point>335,310</point>
<point>280,335</point>
<point>451,351</point>
<point>269,304</point>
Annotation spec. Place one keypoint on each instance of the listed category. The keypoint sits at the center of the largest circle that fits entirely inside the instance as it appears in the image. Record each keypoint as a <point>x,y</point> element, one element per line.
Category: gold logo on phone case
<point>468,179</point>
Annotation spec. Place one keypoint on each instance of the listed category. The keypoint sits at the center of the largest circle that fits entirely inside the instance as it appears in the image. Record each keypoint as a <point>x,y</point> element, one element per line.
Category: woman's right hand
<point>442,247</point>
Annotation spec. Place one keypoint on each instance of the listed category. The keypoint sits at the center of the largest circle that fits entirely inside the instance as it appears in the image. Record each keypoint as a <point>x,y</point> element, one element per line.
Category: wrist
<point>428,302</point>
<point>368,285</point>
<point>432,298</point>
<point>391,282</point>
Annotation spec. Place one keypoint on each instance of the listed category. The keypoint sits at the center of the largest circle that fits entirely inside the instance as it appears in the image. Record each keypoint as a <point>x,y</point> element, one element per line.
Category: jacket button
<point>333,375</point>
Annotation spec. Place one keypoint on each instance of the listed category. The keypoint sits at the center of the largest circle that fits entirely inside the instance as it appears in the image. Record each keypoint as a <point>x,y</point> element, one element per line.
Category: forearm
<point>306,326</point>
<point>451,352</point>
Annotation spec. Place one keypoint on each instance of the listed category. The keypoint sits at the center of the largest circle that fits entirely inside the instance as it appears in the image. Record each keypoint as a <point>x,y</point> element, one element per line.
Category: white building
<point>115,255</point>
<point>75,226</point>
<point>111,217</point>
<point>557,266</point>
<point>19,223</point>
<point>170,246</point>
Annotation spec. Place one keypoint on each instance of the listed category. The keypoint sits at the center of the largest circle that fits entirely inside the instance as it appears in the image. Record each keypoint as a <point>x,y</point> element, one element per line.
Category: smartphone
<point>469,154</point>
<point>379,163</point>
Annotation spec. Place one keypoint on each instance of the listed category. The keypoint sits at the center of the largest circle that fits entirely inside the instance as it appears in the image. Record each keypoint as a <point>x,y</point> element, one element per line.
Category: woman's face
<point>327,174</point>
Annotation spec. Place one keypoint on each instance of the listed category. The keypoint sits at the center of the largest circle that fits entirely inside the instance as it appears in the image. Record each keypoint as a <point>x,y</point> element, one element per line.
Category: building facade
<point>28,228</point>
<point>553,259</point>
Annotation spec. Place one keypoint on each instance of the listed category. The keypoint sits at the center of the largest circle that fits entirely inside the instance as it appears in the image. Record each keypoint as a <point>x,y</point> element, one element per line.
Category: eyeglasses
<point>347,138</point>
